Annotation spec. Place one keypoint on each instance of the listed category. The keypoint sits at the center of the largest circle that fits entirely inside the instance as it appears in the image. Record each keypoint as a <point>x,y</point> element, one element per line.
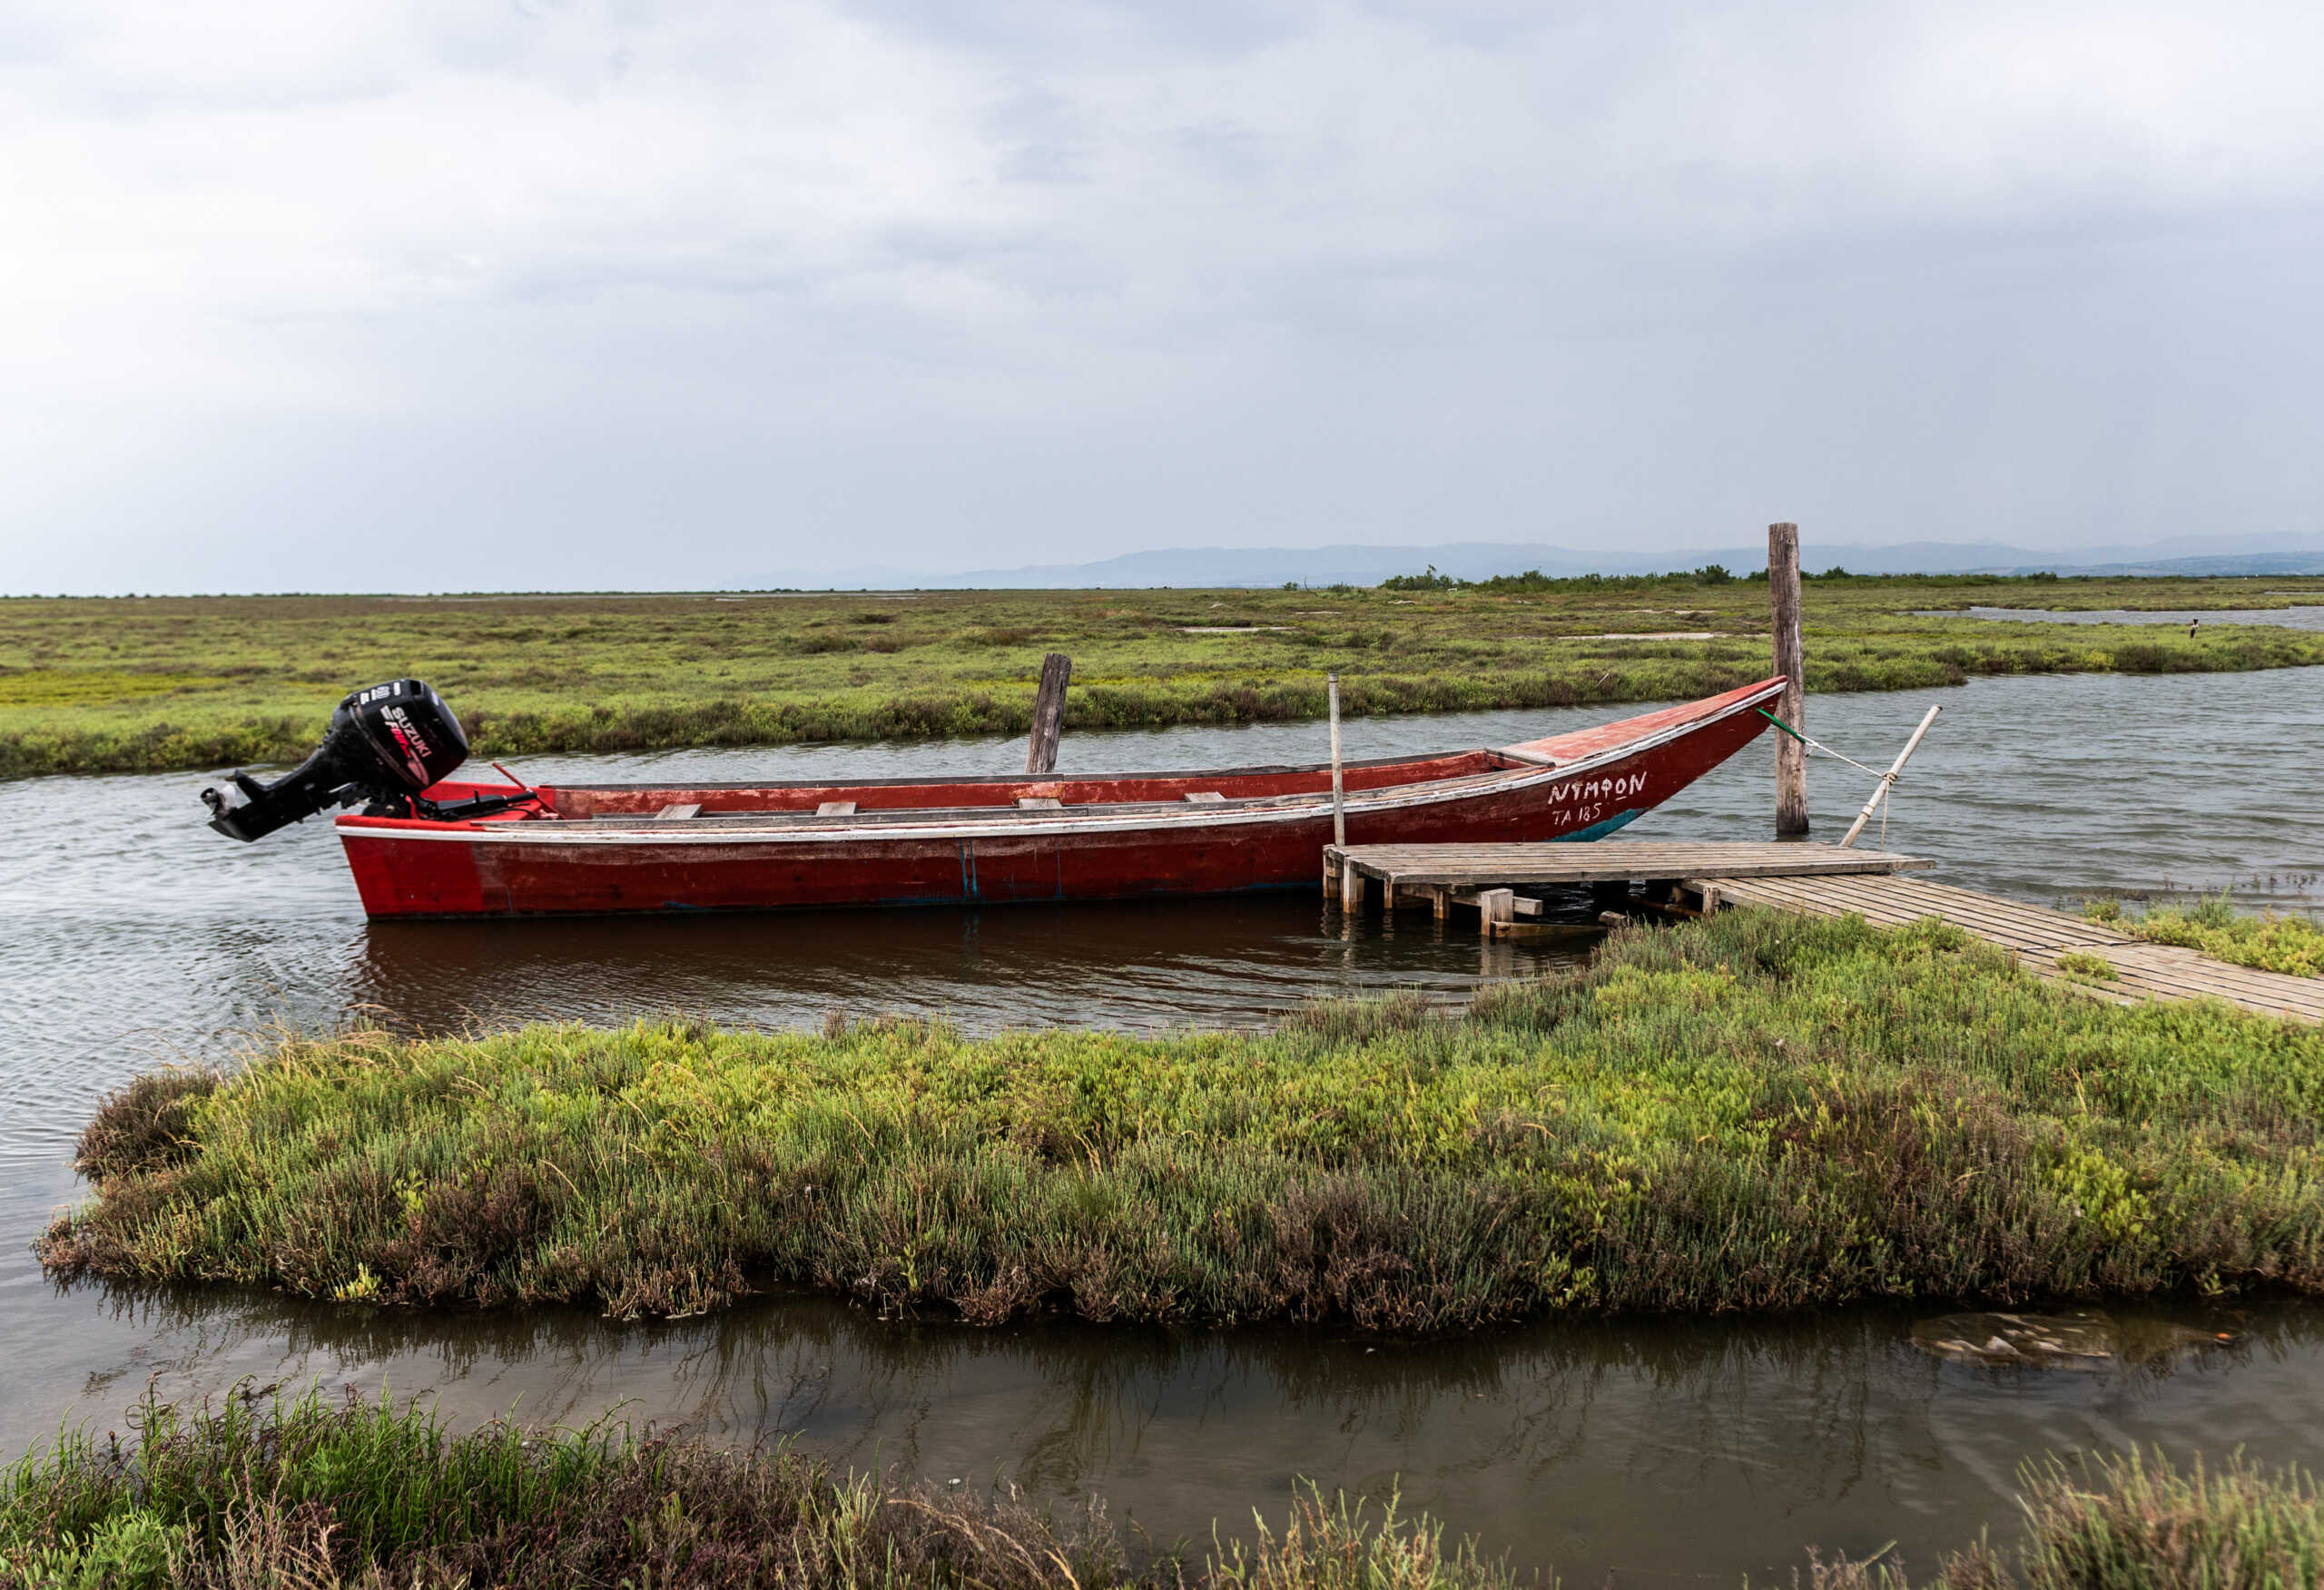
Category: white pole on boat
<point>1339,794</point>
<point>1888,778</point>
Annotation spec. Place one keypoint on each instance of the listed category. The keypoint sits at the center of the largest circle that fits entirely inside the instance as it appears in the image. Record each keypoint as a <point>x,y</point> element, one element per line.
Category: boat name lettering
<point>1628,784</point>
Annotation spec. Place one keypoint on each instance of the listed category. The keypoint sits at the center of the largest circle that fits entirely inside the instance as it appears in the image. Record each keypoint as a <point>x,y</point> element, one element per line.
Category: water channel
<point>1652,1449</point>
<point>2283,617</point>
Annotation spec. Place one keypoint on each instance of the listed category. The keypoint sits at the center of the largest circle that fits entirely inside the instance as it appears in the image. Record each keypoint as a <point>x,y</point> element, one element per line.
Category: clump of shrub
<point>2131,1523</point>
<point>1748,1113</point>
<point>2265,941</point>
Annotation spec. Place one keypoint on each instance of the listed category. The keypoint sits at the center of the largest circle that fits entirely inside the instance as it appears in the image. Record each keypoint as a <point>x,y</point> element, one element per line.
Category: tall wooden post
<point>1049,714</point>
<point>1339,791</point>
<point>1791,661</point>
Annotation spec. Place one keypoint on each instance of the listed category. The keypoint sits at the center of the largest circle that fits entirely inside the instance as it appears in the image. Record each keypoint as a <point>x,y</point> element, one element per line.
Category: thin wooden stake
<point>1339,794</point>
<point>1049,715</point>
<point>1791,661</point>
<point>1888,778</point>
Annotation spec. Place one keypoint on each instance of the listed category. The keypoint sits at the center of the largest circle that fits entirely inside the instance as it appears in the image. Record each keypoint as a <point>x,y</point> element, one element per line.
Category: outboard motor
<point>384,745</point>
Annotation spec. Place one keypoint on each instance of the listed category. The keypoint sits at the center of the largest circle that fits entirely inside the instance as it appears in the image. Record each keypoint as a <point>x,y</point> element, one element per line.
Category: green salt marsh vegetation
<point>2131,1523</point>
<point>1753,1112</point>
<point>2269,941</point>
<point>304,1495</point>
<point>146,684</point>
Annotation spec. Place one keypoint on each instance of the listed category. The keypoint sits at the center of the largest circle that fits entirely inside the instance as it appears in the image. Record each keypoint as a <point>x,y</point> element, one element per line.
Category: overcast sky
<point>368,296</point>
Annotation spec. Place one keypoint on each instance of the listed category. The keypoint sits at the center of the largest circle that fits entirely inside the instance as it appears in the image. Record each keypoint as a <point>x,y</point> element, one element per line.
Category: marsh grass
<point>1749,1112</point>
<point>267,1493</point>
<point>127,685</point>
<point>2265,941</point>
<point>2134,1523</point>
<point>300,1493</point>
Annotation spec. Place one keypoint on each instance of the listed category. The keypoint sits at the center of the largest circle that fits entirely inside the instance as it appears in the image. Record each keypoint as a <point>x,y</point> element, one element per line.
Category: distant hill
<point>1211,567</point>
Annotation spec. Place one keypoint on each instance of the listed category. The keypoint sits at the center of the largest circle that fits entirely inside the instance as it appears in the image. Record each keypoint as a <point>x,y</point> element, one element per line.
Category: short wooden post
<point>1049,714</point>
<point>1351,888</point>
<point>1330,876</point>
<point>1496,907</point>
<point>1791,661</point>
<point>1339,794</point>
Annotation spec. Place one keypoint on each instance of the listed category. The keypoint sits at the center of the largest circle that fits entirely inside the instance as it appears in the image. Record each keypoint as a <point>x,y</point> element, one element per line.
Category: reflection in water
<point>1685,1447</point>
<point>1136,964</point>
<point>131,934</point>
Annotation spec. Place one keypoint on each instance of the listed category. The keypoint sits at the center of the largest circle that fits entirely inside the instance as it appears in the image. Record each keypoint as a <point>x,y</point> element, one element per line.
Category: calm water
<point>131,934</point>
<point>2287,617</point>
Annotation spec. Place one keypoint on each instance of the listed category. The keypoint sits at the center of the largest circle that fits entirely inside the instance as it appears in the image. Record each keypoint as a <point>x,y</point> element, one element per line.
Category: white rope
<point>1817,745</point>
<point>1885,779</point>
<point>1885,786</point>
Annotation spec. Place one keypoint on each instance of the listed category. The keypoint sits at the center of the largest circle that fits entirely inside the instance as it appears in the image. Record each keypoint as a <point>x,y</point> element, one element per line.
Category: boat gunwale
<point>1262,771</point>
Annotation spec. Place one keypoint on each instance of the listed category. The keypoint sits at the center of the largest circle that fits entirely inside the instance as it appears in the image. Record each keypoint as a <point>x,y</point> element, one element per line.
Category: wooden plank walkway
<point>2035,936</point>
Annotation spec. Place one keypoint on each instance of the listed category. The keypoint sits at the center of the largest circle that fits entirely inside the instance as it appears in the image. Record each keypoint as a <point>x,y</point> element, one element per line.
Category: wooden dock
<point>1691,878</point>
<point>2035,936</point>
<point>1487,877</point>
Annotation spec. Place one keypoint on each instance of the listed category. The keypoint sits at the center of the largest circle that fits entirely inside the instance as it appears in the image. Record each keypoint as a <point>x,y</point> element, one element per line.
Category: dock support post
<point>1049,715</point>
<point>1339,795</point>
<point>1330,876</point>
<point>1496,907</point>
<point>1791,661</point>
<point>1351,888</point>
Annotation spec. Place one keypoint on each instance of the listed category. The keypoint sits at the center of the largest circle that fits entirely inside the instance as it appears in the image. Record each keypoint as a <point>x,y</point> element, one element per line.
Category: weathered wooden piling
<point>1049,714</point>
<point>1339,790</point>
<point>1791,661</point>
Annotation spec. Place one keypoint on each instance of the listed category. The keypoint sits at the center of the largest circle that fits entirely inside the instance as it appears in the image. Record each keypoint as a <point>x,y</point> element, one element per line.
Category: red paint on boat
<point>950,841</point>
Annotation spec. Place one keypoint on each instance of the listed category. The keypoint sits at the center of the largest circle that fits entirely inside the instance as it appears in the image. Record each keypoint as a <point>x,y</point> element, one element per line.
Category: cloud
<point>770,287</point>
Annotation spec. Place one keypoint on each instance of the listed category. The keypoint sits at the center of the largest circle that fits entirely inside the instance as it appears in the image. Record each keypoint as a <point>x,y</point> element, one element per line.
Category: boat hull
<point>956,854</point>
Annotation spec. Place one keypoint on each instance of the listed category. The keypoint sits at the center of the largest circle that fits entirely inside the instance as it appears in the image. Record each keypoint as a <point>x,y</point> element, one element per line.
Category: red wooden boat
<point>476,849</point>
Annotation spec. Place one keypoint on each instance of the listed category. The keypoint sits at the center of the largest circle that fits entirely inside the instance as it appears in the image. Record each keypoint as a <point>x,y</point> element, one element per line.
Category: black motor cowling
<point>385,745</point>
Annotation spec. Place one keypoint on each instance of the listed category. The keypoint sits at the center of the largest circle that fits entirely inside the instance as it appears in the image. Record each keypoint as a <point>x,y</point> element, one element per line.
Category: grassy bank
<point>135,684</point>
<point>2269,942</point>
<point>2129,1524</point>
<point>318,1497</point>
<point>1748,1113</point>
